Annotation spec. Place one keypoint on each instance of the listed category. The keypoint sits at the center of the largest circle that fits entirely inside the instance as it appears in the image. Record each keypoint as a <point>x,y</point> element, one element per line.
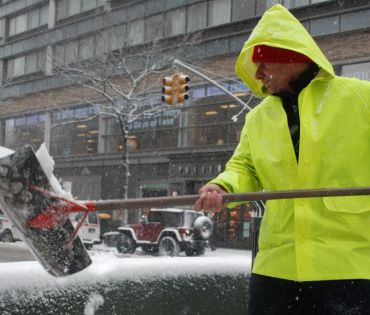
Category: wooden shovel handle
<point>162,202</point>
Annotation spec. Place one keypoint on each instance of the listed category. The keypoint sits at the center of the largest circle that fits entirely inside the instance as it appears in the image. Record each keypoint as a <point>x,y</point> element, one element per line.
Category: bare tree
<point>123,84</point>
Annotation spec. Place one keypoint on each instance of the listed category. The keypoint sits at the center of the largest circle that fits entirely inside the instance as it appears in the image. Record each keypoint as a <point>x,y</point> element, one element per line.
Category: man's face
<point>275,77</point>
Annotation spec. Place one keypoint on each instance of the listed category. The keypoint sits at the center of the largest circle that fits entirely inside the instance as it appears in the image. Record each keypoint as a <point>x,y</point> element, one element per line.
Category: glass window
<point>219,12</point>
<point>118,36</point>
<point>44,15</point>
<point>327,25</point>
<point>135,32</point>
<point>71,52</point>
<point>197,17</point>
<point>299,3</point>
<point>148,133</point>
<point>26,64</point>
<point>212,125</point>
<point>20,24</point>
<point>214,90</point>
<point>175,22</point>
<point>102,43</point>
<point>355,20</point>
<point>174,3</point>
<point>66,8</point>
<point>86,49</point>
<point>72,136</point>
<point>62,9</point>
<point>358,70</point>
<point>11,26</point>
<point>88,5</point>
<point>238,88</point>
<point>198,92</point>
<point>242,10</point>
<point>41,60</point>
<point>74,7</point>
<point>154,27</point>
<point>59,55</point>
<point>24,130</point>
<point>19,66</point>
<point>33,19</point>
<point>31,63</point>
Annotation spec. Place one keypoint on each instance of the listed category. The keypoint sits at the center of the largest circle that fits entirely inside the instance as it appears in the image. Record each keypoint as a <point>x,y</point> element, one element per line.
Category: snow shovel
<point>54,243</point>
<point>42,216</point>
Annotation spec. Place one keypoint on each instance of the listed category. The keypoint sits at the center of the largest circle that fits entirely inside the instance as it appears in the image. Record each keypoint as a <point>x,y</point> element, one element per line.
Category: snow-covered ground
<point>109,265</point>
<point>215,283</point>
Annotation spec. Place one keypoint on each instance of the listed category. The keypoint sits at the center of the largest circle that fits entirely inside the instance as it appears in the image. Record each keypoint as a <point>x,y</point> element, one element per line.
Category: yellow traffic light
<point>168,90</point>
<point>175,88</point>
<point>182,88</point>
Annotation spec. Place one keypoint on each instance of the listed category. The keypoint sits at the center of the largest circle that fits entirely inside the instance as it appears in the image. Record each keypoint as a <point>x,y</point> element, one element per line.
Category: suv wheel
<point>168,246</point>
<point>203,227</point>
<point>125,244</point>
<point>7,237</point>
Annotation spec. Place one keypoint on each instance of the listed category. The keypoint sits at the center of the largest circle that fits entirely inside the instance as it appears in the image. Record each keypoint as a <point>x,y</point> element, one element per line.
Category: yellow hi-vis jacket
<point>306,239</point>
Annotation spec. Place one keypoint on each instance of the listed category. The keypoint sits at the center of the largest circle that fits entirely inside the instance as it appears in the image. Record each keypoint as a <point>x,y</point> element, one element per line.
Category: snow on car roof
<point>173,210</point>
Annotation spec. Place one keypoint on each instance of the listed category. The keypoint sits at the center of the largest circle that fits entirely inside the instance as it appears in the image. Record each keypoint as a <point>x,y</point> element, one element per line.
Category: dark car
<point>167,231</point>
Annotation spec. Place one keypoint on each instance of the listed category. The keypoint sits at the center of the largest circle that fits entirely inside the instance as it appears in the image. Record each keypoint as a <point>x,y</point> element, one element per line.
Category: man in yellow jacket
<point>312,130</point>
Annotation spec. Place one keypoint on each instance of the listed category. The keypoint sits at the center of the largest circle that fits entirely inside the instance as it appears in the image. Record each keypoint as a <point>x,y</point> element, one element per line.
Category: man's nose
<point>259,73</point>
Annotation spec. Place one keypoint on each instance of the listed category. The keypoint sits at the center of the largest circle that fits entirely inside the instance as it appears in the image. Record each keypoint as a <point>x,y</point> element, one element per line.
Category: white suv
<point>90,229</point>
<point>8,232</point>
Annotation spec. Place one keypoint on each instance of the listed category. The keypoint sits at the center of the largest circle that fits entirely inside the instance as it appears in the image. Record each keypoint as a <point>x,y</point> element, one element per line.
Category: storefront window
<point>212,125</point>
<point>159,131</point>
<point>233,226</point>
<point>24,130</point>
<point>74,131</point>
<point>359,70</point>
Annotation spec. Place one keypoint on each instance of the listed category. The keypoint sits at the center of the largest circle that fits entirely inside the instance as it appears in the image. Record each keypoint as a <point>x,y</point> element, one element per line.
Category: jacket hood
<point>278,28</point>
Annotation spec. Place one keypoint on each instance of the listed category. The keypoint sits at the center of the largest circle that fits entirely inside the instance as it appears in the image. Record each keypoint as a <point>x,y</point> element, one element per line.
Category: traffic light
<point>182,88</point>
<point>168,90</point>
<point>175,88</point>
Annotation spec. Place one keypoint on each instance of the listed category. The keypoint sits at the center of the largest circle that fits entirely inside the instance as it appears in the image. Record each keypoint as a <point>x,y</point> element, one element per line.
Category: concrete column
<point>183,133</point>
<point>2,79</point>
<point>1,132</point>
<point>47,130</point>
<point>52,13</point>
<point>2,30</point>
<point>101,132</point>
<point>49,60</point>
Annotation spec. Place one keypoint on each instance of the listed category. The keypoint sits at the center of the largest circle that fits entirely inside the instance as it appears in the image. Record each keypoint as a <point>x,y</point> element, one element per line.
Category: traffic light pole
<point>189,68</point>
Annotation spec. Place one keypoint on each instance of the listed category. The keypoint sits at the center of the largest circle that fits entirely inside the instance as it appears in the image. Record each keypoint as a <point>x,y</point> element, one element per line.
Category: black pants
<point>275,296</point>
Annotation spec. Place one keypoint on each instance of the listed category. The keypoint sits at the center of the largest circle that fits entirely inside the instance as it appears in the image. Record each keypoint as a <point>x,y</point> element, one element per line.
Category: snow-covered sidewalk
<point>138,284</point>
<point>108,265</point>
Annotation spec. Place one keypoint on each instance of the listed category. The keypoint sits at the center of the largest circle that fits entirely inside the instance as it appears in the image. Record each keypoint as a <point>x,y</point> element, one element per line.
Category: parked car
<point>90,229</point>
<point>167,231</point>
<point>8,232</point>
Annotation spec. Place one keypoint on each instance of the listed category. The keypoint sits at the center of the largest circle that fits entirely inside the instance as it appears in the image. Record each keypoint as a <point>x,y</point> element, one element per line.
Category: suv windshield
<point>166,218</point>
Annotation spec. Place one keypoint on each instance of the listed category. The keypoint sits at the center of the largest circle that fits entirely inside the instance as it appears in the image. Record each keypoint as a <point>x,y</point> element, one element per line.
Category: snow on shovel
<point>22,198</point>
<point>41,215</point>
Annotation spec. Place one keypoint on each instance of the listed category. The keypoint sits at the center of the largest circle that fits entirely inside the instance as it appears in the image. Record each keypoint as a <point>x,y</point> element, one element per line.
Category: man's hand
<point>210,198</point>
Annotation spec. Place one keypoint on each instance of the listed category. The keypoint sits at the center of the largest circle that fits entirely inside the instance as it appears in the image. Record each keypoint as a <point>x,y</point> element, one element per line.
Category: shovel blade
<point>52,246</point>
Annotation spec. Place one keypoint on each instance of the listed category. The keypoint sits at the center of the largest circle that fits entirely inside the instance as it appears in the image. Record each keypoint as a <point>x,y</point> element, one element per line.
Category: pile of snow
<point>109,266</point>
<point>5,152</point>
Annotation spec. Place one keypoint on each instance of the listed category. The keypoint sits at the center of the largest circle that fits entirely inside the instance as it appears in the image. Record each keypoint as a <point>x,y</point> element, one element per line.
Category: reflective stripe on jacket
<point>311,238</point>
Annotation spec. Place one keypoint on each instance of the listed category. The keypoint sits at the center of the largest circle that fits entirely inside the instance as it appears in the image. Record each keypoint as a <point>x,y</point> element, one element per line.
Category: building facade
<point>176,150</point>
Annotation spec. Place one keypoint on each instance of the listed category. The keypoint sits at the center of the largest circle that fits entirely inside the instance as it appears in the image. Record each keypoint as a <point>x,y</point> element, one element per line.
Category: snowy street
<point>121,284</point>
